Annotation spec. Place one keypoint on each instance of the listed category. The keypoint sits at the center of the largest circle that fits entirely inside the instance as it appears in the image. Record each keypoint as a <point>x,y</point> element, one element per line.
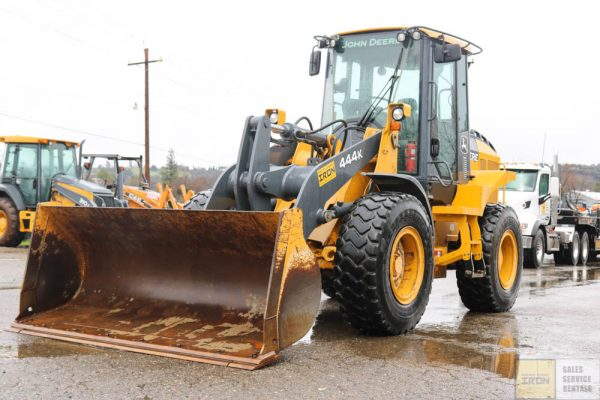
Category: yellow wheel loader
<point>391,190</point>
<point>38,170</point>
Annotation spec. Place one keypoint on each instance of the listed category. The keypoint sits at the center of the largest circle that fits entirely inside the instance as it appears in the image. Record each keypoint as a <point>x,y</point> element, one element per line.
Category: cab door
<point>21,169</point>
<point>544,198</point>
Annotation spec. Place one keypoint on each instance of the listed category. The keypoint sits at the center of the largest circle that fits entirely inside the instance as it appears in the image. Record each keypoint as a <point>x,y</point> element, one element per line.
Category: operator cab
<point>31,163</point>
<point>420,67</point>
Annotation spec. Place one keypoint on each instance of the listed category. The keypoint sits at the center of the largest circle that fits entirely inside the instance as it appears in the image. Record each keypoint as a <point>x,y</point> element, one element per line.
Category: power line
<point>104,137</point>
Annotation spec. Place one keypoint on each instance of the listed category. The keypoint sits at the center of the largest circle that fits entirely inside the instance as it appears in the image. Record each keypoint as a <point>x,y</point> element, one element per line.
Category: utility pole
<point>146,111</point>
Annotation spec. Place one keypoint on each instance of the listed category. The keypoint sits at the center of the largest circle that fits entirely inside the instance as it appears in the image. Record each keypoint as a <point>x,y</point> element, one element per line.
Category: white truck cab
<point>534,195</point>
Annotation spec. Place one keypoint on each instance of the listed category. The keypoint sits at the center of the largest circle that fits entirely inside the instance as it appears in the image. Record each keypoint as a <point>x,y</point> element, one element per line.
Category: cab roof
<point>527,166</point>
<point>468,46</point>
<point>33,139</point>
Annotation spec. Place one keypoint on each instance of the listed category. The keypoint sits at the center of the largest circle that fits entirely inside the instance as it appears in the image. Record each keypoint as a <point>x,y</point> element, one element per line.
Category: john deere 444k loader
<point>391,190</point>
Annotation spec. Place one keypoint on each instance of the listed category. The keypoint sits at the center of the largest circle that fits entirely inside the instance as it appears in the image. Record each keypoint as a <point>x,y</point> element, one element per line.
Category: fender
<point>13,193</point>
<point>404,184</point>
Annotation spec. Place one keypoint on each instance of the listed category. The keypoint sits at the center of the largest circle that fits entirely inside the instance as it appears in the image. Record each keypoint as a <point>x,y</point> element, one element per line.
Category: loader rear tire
<point>10,234</point>
<point>384,263</point>
<point>502,244</point>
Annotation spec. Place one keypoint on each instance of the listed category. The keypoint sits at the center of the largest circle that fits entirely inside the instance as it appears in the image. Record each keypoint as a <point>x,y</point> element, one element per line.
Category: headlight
<point>274,117</point>
<point>401,36</point>
<point>416,35</point>
<point>397,114</point>
<point>524,225</point>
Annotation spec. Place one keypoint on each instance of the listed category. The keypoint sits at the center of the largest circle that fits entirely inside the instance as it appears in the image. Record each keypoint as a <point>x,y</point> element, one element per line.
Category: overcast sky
<point>64,73</point>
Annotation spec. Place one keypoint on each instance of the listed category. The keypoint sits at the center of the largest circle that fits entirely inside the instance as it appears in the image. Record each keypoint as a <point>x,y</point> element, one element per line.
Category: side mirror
<point>554,186</point>
<point>315,63</point>
<point>443,53</point>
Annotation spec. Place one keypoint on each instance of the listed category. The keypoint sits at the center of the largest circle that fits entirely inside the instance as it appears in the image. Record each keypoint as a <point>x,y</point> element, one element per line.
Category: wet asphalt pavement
<point>451,354</point>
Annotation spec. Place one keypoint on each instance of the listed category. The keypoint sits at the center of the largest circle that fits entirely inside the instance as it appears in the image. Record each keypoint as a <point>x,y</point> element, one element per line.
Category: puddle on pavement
<point>549,277</point>
<point>477,341</point>
<point>12,347</point>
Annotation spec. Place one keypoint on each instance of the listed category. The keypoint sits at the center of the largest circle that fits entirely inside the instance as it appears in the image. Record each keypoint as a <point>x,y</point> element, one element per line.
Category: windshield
<point>361,66</point>
<point>58,158</point>
<point>525,181</point>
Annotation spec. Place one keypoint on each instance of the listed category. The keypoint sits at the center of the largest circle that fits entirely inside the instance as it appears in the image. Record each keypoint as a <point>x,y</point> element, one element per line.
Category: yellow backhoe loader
<point>140,196</point>
<point>38,170</point>
<point>391,190</point>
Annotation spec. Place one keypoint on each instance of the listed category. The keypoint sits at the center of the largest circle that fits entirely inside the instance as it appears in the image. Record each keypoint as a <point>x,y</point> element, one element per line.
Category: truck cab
<point>533,194</point>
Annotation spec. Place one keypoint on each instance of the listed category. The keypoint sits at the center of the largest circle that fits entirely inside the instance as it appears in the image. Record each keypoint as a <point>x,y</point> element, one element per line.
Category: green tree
<point>104,174</point>
<point>171,170</point>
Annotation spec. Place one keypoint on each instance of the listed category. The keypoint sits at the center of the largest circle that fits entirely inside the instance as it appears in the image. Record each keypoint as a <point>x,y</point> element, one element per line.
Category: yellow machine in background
<point>139,196</point>
<point>38,170</point>
<point>392,189</point>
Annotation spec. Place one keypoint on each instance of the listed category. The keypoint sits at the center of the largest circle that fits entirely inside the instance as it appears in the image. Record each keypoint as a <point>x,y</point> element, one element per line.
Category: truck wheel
<point>502,244</point>
<point>384,263</point>
<point>584,252</point>
<point>534,257</point>
<point>10,235</point>
<point>327,284</point>
<point>574,247</point>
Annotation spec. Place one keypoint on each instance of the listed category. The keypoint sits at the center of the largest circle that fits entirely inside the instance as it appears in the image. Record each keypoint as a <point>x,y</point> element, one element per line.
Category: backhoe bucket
<point>223,287</point>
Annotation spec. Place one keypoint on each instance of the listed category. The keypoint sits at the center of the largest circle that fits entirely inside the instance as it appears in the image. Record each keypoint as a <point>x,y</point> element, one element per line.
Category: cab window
<point>544,184</point>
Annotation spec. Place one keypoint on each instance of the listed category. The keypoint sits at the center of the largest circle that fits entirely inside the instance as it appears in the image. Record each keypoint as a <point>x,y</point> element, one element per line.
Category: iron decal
<point>326,173</point>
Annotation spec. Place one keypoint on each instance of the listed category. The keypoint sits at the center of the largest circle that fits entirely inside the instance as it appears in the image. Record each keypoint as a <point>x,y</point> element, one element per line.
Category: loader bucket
<point>223,287</point>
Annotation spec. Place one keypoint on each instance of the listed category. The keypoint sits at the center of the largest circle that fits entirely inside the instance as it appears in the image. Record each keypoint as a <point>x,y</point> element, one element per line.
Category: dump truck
<point>389,191</point>
<point>140,195</point>
<point>37,170</point>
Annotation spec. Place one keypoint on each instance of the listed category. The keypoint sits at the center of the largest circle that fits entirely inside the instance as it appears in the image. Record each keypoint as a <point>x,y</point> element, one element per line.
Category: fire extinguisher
<point>411,156</point>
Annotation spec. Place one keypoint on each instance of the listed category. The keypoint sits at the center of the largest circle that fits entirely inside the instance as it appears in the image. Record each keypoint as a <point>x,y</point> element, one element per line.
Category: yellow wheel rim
<point>508,259</point>
<point>407,265</point>
<point>3,223</point>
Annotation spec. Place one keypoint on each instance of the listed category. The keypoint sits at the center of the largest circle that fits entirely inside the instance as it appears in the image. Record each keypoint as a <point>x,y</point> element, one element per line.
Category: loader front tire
<point>384,263</point>
<point>10,234</point>
<point>503,257</point>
